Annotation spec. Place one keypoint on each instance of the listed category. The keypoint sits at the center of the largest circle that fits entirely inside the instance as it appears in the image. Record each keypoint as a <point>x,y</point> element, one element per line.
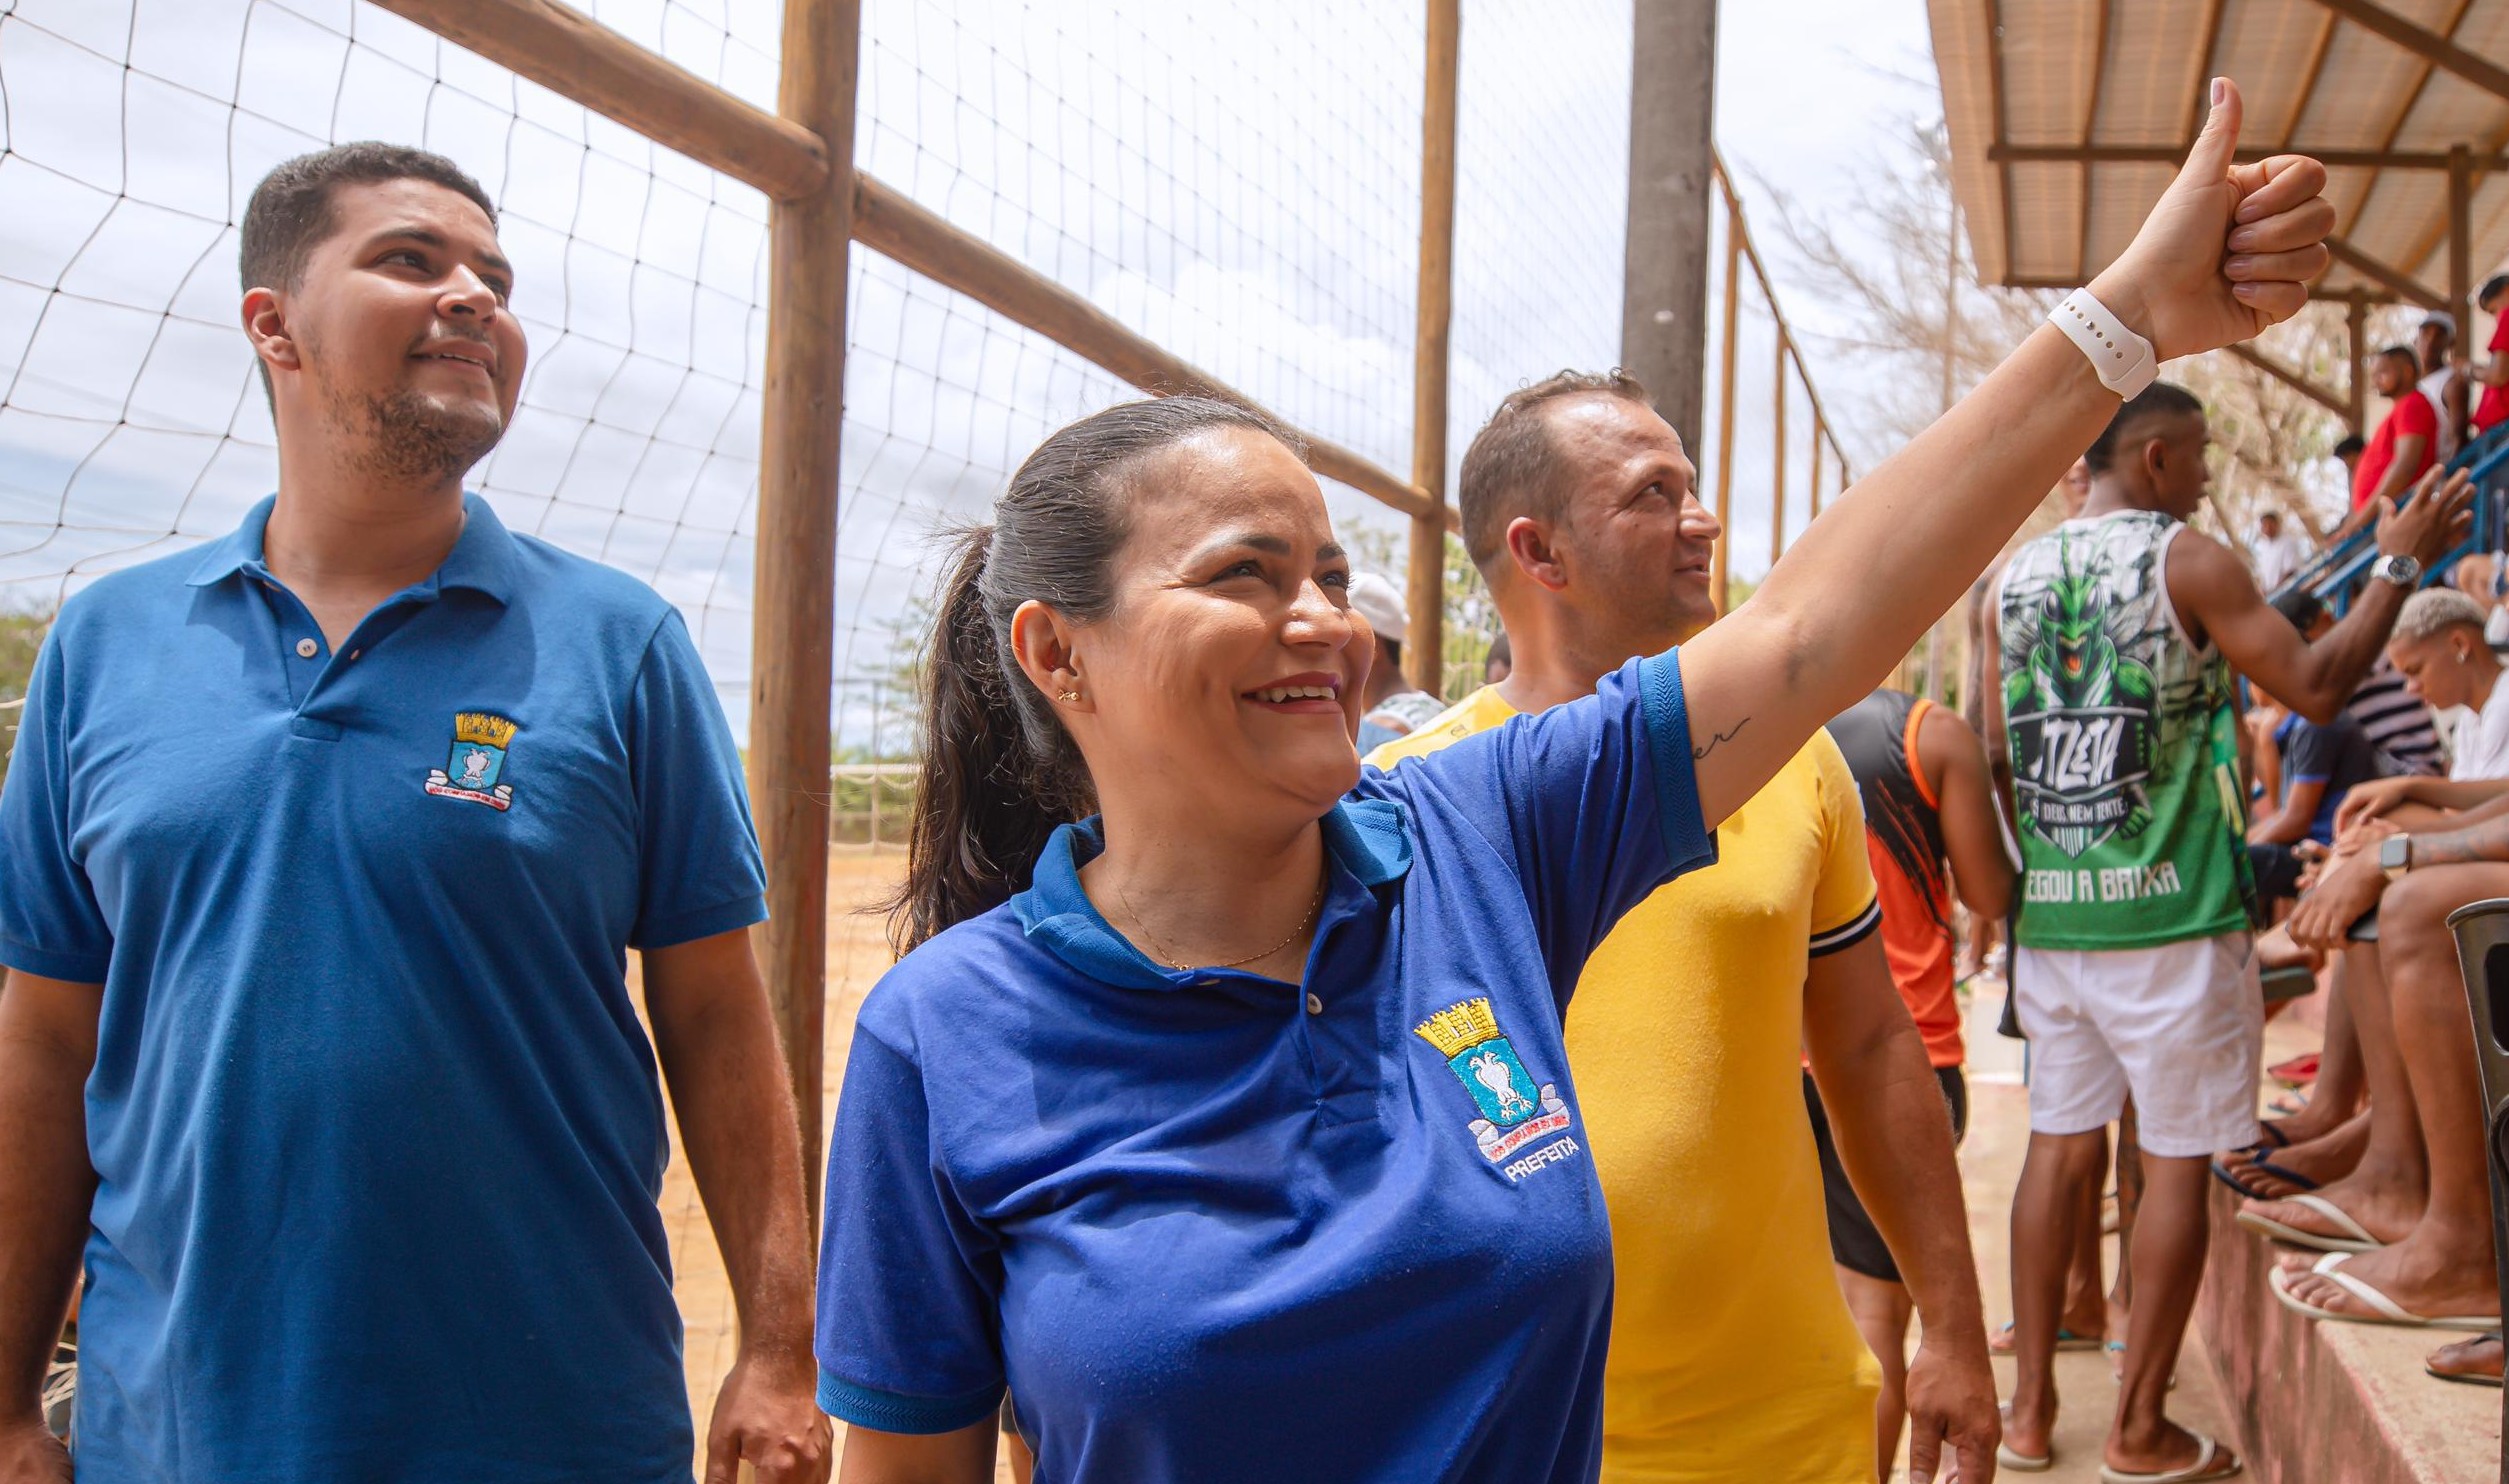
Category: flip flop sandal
<point>2460,1378</point>
<point>2271,1128</point>
<point>2355,1237</point>
<point>2023,1463</point>
<point>2258,1163</point>
<point>2388,1310</point>
<point>2212,1461</point>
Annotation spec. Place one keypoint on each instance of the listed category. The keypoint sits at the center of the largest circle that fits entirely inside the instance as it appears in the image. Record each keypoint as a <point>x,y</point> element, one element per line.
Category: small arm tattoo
<point>1718,739</point>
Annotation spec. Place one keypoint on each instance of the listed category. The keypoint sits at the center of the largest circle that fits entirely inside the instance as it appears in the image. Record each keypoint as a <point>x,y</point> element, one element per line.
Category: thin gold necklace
<point>1168,958</point>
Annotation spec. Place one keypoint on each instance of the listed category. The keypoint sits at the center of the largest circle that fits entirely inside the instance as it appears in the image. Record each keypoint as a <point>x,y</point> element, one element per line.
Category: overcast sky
<point>1237,178</point>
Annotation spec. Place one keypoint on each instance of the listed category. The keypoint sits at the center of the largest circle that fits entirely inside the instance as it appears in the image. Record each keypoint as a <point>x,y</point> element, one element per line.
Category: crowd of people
<point>1568,1090</point>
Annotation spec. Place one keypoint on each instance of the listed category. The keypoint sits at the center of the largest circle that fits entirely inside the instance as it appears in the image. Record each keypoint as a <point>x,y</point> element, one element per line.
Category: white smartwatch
<point>2123,359</point>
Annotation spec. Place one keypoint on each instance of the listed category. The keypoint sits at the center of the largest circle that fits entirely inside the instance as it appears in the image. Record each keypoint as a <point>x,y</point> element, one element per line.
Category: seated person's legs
<point>2442,1266</point>
<point>2386,1188</point>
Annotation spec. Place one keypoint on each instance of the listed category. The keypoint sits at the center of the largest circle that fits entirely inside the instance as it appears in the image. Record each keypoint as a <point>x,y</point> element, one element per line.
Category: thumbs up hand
<point>2228,249</point>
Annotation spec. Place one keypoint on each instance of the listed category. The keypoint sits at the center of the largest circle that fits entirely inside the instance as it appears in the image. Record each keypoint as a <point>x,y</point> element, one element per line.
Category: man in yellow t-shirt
<point>1732,1356</point>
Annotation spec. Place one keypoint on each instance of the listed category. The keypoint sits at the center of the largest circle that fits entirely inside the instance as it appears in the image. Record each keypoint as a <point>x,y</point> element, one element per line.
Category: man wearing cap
<point>1395,705</point>
<point>2492,408</point>
<point>2434,345</point>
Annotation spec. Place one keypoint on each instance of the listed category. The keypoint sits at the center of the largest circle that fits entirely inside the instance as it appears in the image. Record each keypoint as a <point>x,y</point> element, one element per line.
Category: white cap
<point>1381,604</point>
<point>2443,319</point>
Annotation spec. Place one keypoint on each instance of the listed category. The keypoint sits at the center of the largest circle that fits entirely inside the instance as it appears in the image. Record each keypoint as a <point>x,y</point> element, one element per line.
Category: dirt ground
<point>858,954</point>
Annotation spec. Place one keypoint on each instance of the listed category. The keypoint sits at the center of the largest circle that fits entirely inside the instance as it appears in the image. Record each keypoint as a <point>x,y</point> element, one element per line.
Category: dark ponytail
<point>998,772</point>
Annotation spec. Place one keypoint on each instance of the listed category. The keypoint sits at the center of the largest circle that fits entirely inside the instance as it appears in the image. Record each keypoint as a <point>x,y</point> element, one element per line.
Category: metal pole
<point>1720,562</point>
<point>1424,648</point>
<point>1819,431</point>
<point>794,661</point>
<point>1664,286</point>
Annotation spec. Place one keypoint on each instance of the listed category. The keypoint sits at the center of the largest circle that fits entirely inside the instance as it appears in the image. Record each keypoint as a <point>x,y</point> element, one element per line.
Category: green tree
<point>21,635</point>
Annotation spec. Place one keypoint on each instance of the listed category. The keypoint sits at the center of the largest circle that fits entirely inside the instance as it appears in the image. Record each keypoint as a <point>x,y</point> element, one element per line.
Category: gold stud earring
<point>1070,696</point>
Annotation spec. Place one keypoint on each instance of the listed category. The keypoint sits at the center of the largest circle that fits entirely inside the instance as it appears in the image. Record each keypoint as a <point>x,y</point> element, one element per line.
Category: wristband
<point>2123,359</point>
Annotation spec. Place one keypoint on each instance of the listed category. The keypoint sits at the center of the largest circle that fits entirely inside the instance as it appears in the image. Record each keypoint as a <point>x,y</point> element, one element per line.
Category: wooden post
<point>1718,564</point>
<point>2356,339</point>
<point>1424,648</point>
<point>1664,286</point>
<point>1777,476</point>
<point>792,667</point>
<point>1819,431</point>
<point>2461,244</point>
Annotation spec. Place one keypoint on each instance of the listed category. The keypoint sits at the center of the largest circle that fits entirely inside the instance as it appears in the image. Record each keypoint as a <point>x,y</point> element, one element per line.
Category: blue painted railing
<point>2335,574</point>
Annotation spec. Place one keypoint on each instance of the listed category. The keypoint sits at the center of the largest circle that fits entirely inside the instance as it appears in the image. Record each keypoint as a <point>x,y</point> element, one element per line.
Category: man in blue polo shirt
<point>320,856</point>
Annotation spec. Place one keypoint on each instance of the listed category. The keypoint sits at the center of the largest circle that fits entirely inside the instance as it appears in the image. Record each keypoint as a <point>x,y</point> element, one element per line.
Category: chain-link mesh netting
<point>1239,181</point>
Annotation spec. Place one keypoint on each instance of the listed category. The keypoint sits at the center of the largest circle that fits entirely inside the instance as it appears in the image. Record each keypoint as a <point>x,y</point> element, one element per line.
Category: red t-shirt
<point>2411,416</point>
<point>2494,405</point>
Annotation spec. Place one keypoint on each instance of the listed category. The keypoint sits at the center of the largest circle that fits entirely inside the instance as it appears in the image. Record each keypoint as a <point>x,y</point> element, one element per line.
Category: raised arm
<point>2225,253</point>
<point>2217,599</point>
<point>1955,766</point>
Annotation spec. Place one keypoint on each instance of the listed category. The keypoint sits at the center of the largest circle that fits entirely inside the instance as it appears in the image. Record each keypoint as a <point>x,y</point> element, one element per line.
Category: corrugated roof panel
<point>2367,84</point>
<point>2155,70</point>
<point>1960,33</point>
<point>2046,77</point>
<point>2120,197</point>
<point>2267,45</point>
<point>2047,220</point>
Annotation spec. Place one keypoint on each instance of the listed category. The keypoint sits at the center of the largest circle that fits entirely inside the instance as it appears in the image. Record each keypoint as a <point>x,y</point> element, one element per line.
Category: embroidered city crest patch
<point>477,766</point>
<point>1515,1110</point>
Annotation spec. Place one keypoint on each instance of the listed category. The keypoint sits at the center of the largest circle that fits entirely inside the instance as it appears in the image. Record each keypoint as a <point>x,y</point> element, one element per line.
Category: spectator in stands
<point>2434,352</point>
<point>2348,450</point>
<point>1393,704</point>
<point>2311,768</point>
<point>2279,550</point>
<point>1567,511</point>
<point>1498,662</point>
<point>2492,373</point>
<point>2438,648</point>
<point>2428,1263</point>
<point>2147,989</point>
<point>2404,446</point>
<point>328,1059</point>
<point>1930,829</point>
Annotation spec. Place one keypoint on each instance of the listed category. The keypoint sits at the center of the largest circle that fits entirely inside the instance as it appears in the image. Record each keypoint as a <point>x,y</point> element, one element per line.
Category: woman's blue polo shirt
<point>376,1132</point>
<point>1208,1226</point>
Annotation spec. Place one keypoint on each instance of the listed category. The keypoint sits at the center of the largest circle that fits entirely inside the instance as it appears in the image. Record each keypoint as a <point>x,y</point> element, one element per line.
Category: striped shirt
<point>2398,724</point>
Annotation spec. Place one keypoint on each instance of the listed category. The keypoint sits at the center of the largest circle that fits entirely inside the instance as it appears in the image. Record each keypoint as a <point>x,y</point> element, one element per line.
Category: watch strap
<point>2123,360</point>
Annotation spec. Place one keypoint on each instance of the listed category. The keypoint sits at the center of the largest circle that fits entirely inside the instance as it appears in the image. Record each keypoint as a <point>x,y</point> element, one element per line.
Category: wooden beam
<point>2170,154</point>
<point>2356,326</point>
<point>2090,122</point>
<point>2405,100</point>
<point>793,651</point>
<point>2461,247</point>
<point>1719,563</point>
<point>1819,433</point>
<point>1424,648</point>
<point>1777,481</point>
<point>570,53</point>
<point>2431,47</point>
<point>2003,125</point>
<point>895,227</point>
<point>2293,379</point>
<point>2403,285</point>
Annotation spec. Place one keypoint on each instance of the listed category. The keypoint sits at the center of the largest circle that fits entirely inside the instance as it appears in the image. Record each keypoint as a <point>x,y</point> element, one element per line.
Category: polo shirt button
<point>1315,1004</point>
<point>306,649</point>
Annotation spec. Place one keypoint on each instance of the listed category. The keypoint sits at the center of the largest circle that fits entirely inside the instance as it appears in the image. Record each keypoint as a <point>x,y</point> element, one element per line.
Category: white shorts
<point>2181,1027</point>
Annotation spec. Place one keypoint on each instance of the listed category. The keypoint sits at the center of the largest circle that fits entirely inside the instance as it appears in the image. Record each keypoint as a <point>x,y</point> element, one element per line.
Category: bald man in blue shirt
<point>320,857</point>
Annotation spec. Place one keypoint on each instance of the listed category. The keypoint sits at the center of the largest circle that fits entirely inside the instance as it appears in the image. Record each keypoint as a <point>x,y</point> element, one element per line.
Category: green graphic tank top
<point>2124,746</point>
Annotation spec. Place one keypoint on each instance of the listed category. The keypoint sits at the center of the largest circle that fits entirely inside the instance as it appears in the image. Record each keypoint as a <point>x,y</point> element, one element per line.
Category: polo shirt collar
<point>1368,840</point>
<point>482,560</point>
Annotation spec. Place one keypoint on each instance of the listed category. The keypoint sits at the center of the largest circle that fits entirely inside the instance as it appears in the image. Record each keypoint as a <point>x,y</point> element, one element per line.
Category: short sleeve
<point>1594,802</point>
<point>2312,754</point>
<point>50,923</point>
<point>698,868</point>
<point>909,1285</point>
<point>1845,907</point>
<point>2416,416</point>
